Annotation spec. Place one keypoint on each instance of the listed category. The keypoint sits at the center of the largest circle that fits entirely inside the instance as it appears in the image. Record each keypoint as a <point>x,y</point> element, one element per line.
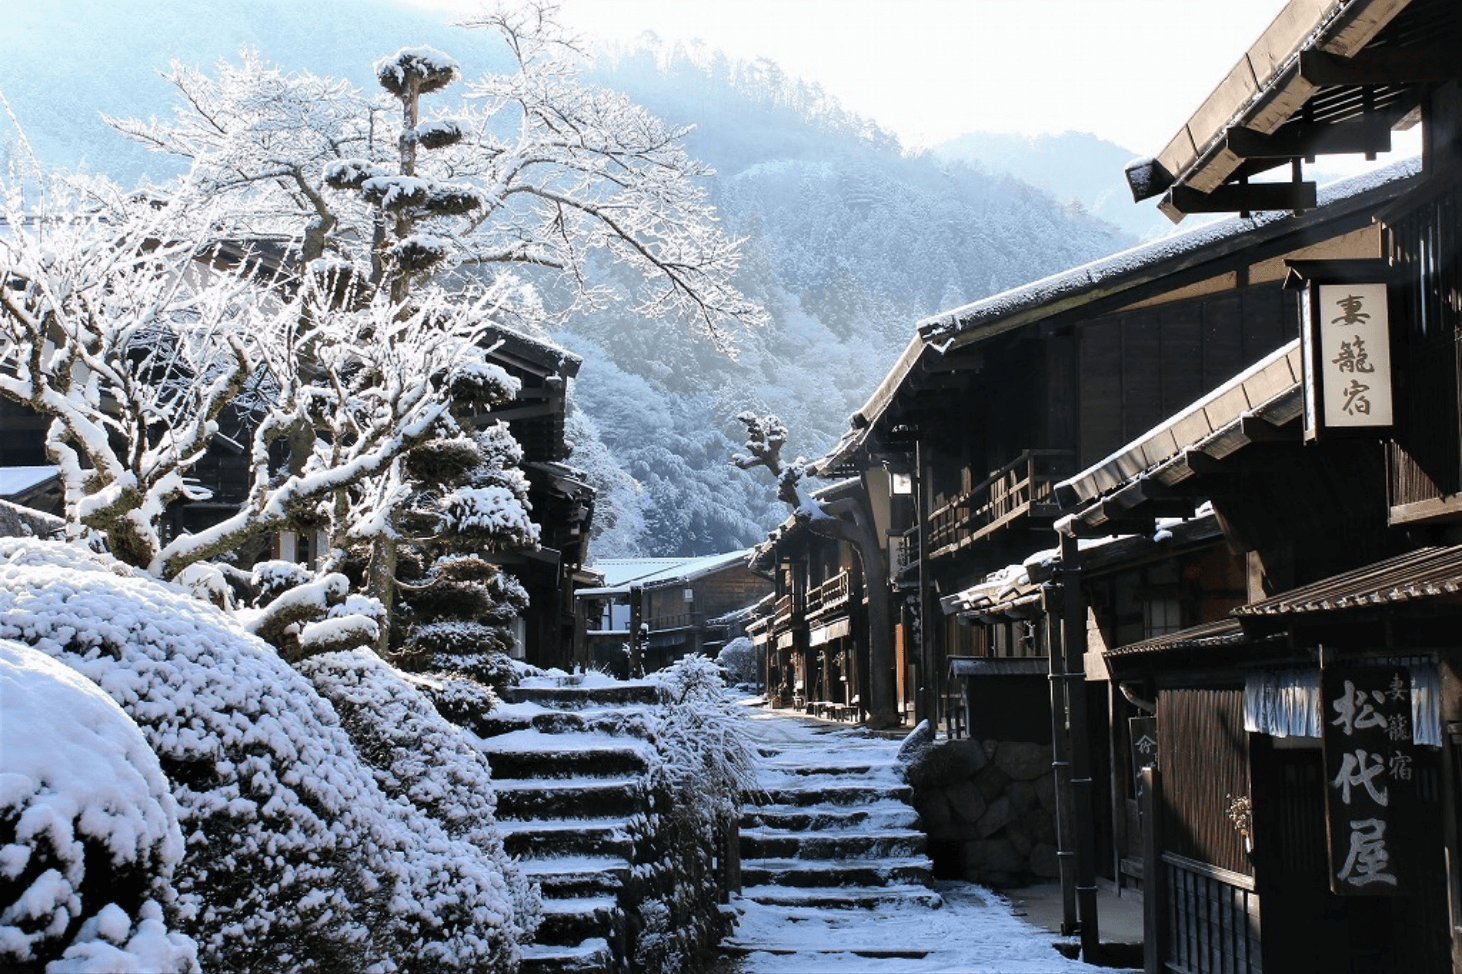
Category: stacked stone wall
<point>989,808</point>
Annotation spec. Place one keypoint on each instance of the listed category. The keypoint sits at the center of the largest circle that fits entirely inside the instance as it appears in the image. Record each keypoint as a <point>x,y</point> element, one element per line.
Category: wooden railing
<point>676,620</point>
<point>831,595</point>
<point>1212,919</point>
<point>788,611</point>
<point>1016,489</point>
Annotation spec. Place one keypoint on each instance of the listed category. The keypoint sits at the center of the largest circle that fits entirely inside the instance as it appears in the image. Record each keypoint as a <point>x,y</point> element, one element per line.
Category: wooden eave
<point>1424,579</point>
<point>1326,76</point>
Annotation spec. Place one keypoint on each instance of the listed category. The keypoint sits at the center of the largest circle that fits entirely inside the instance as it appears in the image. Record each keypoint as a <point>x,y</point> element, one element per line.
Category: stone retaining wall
<point>988,808</point>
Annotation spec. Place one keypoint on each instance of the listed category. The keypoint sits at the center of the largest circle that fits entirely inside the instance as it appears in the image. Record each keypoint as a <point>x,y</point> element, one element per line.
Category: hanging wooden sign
<point>1368,772</point>
<point>1346,339</point>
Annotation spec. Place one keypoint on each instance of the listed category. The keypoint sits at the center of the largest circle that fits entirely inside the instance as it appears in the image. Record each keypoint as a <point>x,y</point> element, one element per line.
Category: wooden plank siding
<point>1212,909</point>
<point>1203,750</point>
<point>1425,458</point>
<point>1136,367</point>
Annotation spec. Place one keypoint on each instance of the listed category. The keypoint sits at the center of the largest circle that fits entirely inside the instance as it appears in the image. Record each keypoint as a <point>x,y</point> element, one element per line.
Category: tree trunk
<point>381,584</point>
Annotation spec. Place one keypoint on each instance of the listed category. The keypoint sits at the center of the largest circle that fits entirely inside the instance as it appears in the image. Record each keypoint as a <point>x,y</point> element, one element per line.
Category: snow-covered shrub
<point>710,754</point>
<point>89,832</point>
<point>740,660</point>
<point>420,757</point>
<point>707,764</point>
<point>294,857</point>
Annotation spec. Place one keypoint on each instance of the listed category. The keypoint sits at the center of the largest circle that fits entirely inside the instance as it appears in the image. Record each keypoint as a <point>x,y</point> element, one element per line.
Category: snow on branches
<point>532,168</point>
<point>138,343</point>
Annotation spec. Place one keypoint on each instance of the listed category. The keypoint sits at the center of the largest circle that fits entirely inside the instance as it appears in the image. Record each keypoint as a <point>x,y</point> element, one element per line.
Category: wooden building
<point>1302,804</point>
<point>1146,404</point>
<point>643,614</point>
<point>815,629</point>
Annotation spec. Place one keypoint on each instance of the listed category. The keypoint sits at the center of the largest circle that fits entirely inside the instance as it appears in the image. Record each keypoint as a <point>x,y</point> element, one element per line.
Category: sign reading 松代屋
<point>1368,770</point>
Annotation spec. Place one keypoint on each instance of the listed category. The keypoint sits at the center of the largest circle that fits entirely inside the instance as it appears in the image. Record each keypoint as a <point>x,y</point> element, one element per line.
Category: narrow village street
<point>834,870</point>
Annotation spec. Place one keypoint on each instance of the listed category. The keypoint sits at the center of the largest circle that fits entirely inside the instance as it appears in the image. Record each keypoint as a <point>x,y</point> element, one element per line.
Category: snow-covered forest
<point>847,239</point>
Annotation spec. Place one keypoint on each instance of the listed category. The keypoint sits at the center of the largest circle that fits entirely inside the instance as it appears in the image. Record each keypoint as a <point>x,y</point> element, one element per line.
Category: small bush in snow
<point>741,661</point>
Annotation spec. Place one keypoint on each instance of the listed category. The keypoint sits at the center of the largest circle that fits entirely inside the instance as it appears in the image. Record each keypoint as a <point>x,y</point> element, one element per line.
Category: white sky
<point>1130,71</point>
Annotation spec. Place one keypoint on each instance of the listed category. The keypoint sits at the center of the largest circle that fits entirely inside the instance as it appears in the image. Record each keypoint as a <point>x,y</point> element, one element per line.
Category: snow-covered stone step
<point>579,697</point>
<point>576,919</point>
<point>860,898</point>
<point>801,818</point>
<point>852,844</point>
<point>532,754</point>
<point>804,795</point>
<point>560,837</point>
<point>575,876</point>
<point>804,769</point>
<point>740,948</point>
<point>837,872</point>
<point>540,798</point>
<point>592,956</point>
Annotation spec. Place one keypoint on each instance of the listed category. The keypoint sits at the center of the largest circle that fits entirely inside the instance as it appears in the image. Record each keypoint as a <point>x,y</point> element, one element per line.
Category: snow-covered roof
<point>620,574</point>
<point>16,480</point>
<point>1146,262</point>
<point>1128,276</point>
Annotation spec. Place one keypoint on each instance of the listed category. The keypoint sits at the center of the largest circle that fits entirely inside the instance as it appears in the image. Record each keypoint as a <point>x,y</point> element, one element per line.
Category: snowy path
<point>957,927</point>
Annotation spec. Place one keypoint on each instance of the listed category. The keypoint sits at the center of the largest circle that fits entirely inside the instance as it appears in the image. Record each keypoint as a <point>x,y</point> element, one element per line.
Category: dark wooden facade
<point>1265,847</point>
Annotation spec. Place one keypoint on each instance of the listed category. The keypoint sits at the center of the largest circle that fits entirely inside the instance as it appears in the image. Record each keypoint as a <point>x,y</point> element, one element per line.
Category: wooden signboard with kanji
<point>1369,780</point>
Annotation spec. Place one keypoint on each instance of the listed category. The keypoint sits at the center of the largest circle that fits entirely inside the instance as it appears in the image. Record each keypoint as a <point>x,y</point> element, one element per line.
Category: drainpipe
<point>1073,608</point>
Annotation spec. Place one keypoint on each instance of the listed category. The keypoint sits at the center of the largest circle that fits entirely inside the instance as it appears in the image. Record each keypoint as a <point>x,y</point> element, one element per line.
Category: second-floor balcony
<point>788,613</point>
<point>830,596</point>
<point>1019,489</point>
<point>675,620</point>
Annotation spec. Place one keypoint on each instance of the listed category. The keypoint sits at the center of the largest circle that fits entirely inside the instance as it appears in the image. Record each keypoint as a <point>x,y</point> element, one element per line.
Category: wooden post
<point>1154,886</point>
<point>1060,761</point>
<point>1073,625</point>
<point>930,699</point>
<point>636,637</point>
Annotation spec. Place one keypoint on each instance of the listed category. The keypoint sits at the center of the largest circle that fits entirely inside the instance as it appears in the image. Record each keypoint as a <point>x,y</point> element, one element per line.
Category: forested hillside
<point>848,240</point>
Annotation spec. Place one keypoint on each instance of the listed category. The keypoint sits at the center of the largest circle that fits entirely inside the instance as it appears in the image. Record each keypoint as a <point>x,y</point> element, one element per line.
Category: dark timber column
<point>1073,608</point>
<point>929,701</point>
<point>1060,760</point>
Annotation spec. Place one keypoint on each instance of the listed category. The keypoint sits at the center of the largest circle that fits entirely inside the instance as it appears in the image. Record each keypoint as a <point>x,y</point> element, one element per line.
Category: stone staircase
<point>572,807</point>
<point>833,842</point>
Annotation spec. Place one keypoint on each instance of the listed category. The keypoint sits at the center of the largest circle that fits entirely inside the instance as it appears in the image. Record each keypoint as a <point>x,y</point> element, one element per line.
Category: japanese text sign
<point>1368,772</point>
<point>1353,366</point>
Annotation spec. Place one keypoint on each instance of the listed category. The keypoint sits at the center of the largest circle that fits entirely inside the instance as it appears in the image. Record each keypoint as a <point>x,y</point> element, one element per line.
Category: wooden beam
<point>1371,134</point>
<point>1383,66</point>
<point>1258,430</point>
<point>1244,197</point>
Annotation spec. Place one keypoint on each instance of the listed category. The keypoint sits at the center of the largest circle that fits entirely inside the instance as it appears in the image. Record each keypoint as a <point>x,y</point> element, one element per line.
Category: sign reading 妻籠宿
<point>1350,359</point>
<point>1369,776</point>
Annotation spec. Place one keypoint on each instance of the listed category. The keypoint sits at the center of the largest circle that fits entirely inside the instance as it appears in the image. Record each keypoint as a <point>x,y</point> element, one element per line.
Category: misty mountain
<point>848,240</point>
<point>1070,166</point>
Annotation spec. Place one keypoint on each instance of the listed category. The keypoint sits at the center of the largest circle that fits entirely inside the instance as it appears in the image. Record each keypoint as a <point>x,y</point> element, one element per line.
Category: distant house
<point>645,613</point>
